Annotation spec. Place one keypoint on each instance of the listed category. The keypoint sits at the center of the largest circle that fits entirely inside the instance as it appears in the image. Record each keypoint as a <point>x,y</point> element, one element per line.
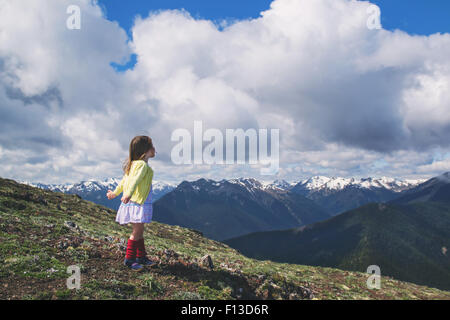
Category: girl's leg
<point>138,237</point>
<point>133,247</point>
<point>141,254</point>
<point>138,231</point>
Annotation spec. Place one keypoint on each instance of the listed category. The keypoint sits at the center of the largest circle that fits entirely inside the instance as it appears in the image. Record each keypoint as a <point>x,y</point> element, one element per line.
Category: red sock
<point>131,249</point>
<point>140,252</point>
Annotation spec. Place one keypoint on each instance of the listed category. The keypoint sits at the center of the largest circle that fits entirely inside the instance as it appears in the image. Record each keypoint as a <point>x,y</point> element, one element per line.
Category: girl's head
<point>141,148</point>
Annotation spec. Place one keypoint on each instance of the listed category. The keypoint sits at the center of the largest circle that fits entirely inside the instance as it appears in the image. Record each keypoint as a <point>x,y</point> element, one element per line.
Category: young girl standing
<point>136,206</point>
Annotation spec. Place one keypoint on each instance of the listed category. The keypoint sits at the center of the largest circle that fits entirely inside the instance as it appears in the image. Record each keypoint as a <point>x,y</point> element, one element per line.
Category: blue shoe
<point>145,262</point>
<point>133,265</point>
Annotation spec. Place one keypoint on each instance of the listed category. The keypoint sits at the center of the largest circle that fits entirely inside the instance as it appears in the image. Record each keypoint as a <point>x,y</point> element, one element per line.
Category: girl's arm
<point>135,177</point>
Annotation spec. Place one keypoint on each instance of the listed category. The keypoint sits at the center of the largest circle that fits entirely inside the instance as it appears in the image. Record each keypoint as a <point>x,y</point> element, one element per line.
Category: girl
<point>136,207</point>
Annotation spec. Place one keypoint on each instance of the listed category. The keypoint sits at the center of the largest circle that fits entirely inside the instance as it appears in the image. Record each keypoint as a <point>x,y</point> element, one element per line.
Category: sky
<point>348,100</point>
<point>415,17</point>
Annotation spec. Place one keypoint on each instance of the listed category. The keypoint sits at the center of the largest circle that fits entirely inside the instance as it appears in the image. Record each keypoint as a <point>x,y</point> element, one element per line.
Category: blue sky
<point>125,11</point>
<point>413,16</point>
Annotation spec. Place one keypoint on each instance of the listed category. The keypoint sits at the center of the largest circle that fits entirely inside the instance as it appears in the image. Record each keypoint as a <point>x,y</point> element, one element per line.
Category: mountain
<point>338,195</point>
<point>95,191</point>
<point>408,241</point>
<point>280,184</point>
<point>326,185</point>
<point>435,189</point>
<point>229,208</point>
<point>44,232</point>
<point>335,195</point>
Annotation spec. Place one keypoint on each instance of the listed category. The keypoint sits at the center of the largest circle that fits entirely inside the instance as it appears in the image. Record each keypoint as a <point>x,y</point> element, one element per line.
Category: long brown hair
<point>139,146</point>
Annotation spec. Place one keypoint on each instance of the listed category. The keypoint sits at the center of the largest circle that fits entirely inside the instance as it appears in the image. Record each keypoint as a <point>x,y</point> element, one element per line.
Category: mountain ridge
<point>312,183</point>
<point>434,189</point>
<point>338,195</point>
<point>232,207</point>
<point>334,194</point>
<point>95,190</point>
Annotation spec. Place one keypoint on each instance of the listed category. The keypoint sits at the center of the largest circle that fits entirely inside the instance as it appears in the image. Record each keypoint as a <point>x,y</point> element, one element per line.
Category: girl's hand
<point>125,199</point>
<point>110,195</point>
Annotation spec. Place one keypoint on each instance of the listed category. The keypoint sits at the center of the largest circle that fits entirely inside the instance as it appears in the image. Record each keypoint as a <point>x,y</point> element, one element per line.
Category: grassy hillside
<point>408,242</point>
<point>41,233</point>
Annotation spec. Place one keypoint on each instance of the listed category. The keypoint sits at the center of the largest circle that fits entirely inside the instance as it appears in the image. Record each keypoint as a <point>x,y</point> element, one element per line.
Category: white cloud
<point>344,97</point>
<point>436,167</point>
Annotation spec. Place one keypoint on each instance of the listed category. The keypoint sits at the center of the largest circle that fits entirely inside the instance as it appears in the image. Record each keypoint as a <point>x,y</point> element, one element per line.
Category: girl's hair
<point>139,146</point>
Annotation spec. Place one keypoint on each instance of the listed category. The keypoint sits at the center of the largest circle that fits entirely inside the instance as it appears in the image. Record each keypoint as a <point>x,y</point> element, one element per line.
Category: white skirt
<point>133,212</point>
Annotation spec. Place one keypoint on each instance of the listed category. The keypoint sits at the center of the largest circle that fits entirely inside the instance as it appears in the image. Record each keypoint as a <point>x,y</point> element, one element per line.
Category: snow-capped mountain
<point>321,183</point>
<point>228,208</point>
<point>95,191</point>
<point>83,186</point>
<point>250,184</point>
<point>341,194</point>
<point>326,184</point>
<point>280,184</point>
<point>335,194</point>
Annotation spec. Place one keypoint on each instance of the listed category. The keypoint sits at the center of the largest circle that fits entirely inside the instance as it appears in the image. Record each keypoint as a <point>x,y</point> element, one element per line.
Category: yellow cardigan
<point>137,183</point>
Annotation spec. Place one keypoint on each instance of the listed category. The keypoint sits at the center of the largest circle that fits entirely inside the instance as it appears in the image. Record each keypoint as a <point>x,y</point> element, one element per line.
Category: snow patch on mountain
<point>279,184</point>
<point>311,185</point>
<point>95,185</point>
<point>337,183</point>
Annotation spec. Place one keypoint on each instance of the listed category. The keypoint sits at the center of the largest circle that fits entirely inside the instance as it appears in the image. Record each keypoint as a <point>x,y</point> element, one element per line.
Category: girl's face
<point>150,154</point>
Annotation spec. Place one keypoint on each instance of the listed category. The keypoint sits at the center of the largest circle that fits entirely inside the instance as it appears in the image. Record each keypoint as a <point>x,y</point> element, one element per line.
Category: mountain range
<point>230,208</point>
<point>407,238</point>
<point>334,194</point>
<point>227,208</point>
<point>338,195</point>
<point>95,191</point>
